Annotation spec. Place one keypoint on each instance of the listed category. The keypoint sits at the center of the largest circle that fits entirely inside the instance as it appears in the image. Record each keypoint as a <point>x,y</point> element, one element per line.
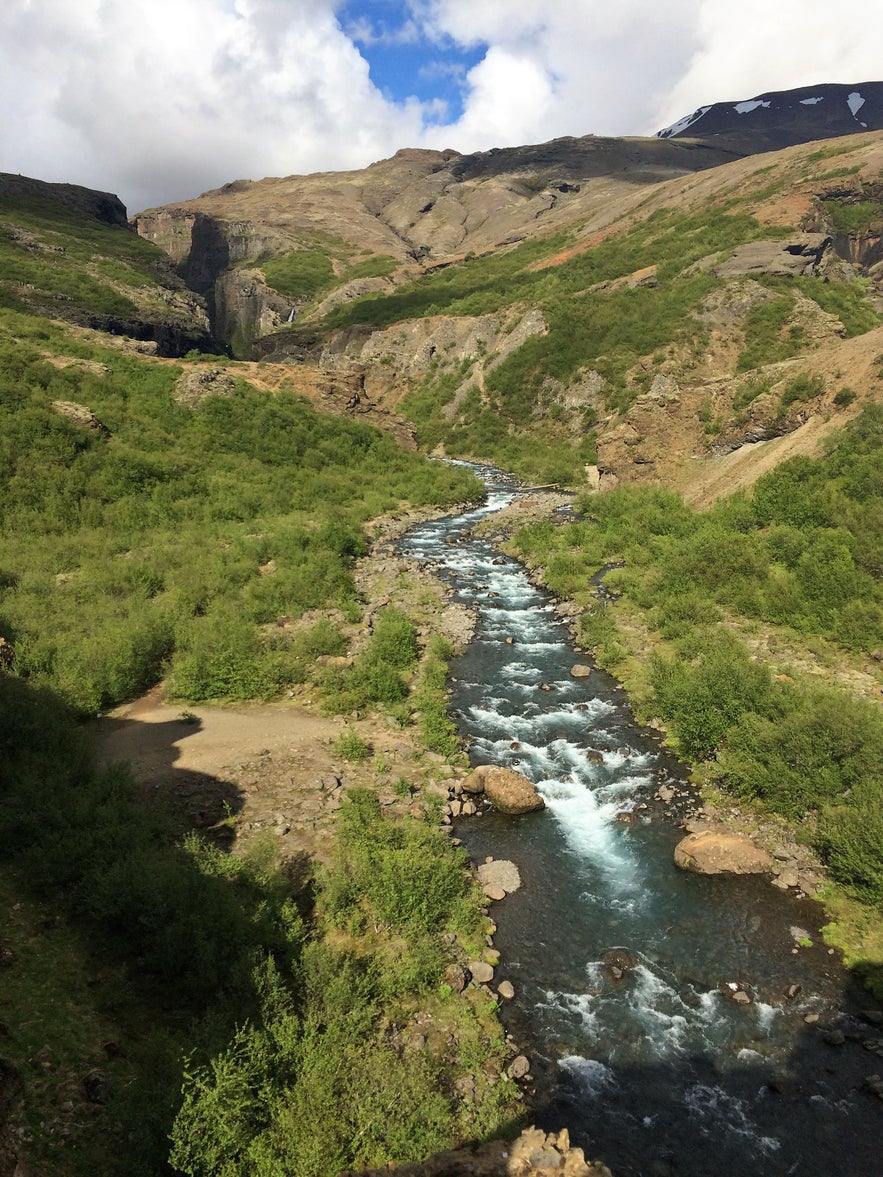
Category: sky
<point>160,100</point>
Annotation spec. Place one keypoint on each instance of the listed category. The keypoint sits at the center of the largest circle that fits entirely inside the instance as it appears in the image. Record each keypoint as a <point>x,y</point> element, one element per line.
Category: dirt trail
<point>233,771</point>
<point>245,770</point>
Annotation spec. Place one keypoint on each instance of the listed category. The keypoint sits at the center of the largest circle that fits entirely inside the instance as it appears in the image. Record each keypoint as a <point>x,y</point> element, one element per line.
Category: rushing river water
<point>657,1070</point>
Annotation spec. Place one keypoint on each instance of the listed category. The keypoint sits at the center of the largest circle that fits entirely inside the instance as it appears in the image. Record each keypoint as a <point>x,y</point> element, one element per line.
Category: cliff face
<point>417,209</point>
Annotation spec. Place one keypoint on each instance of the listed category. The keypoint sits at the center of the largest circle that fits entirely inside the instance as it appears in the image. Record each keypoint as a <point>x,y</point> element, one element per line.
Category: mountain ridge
<point>781,118</point>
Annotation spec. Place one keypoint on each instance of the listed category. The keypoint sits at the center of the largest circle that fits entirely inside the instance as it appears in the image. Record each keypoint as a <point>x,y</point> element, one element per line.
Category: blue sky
<point>405,62</point>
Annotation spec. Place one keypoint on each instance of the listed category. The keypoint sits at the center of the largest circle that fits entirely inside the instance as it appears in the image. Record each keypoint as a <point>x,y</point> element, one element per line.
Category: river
<point>654,1068</point>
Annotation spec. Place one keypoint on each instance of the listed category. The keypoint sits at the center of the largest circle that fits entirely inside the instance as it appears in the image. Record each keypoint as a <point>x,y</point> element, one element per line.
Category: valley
<point>225,705</point>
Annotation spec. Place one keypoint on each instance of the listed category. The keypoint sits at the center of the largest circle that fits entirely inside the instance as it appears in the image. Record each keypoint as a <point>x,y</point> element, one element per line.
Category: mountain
<point>781,118</point>
<point>349,231</point>
<point>539,306</point>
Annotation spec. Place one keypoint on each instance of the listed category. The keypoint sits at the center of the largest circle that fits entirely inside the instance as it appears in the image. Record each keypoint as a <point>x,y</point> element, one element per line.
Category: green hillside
<point>209,542</point>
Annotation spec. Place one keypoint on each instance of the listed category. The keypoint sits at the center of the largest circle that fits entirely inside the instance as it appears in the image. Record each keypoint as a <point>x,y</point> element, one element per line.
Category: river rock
<point>499,873</point>
<point>789,877</point>
<point>455,976</point>
<point>509,791</point>
<point>506,990</point>
<point>518,1068</point>
<point>580,671</point>
<point>716,852</point>
<point>482,972</point>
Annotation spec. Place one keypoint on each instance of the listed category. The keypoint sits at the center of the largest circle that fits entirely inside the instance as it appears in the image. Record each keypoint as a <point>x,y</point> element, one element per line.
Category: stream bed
<point>653,1067</point>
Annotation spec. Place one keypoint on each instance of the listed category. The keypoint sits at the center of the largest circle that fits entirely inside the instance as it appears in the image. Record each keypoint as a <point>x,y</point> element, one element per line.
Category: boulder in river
<point>500,873</point>
<point>717,852</point>
<point>616,962</point>
<point>507,790</point>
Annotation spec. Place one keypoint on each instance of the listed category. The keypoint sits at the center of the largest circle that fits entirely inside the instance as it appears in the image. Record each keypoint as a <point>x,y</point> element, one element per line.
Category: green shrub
<point>807,750</point>
<point>706,698</point>
<point>351,746</point>
<point>403,872</point>
<point>394,639</point>
<point>431,697</point>
<point>802,388</point>
<point>850,836</point>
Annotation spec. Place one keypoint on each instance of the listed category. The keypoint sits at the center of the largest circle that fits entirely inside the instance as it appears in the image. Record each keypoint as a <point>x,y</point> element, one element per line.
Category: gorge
<point>215,423</point>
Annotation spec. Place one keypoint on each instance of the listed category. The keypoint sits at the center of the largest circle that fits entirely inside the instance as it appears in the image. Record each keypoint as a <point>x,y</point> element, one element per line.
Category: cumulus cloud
<point>161,99</point>
<point>555,67</point>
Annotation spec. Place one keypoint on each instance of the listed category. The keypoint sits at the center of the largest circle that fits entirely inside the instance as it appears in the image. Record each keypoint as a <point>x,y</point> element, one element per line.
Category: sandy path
<point>233,770</point>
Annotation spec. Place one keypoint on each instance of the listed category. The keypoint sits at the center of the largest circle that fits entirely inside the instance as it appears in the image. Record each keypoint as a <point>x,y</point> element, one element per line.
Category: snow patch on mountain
<point>682,123</point>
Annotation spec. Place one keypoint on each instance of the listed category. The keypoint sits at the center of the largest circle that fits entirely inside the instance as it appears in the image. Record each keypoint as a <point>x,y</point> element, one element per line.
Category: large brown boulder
<point>500,873</point>
<point>717,852</point>
<point>507,790</point>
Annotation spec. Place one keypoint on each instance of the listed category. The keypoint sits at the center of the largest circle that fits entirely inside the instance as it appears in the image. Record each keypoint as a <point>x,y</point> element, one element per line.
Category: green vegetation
<point>379,673</point>
<point>765,340</point>
<point>803,552</point>
<point>351,746</point>
<point>299,275</point>
<point>595,323</point>
<point>855,217</point>
<point>256,1107</point>
<point>254,1034</point>
<point>431,698</point>
<point>53,257</point>
<point>173,545</point>
<point>304,275</point>
<point>237,1012</point>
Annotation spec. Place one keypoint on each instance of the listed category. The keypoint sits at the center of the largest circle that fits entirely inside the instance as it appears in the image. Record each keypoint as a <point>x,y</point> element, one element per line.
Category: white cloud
<point>161,99</point>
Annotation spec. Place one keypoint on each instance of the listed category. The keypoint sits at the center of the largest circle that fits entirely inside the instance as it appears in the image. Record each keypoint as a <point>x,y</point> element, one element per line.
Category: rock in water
<point>509,791</point>
<point>716,852</point>
<point>500,873</point>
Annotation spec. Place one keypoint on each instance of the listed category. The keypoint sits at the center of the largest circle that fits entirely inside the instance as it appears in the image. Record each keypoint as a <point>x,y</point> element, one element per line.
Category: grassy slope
<point>56,260</point>
<point>517,411</point>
